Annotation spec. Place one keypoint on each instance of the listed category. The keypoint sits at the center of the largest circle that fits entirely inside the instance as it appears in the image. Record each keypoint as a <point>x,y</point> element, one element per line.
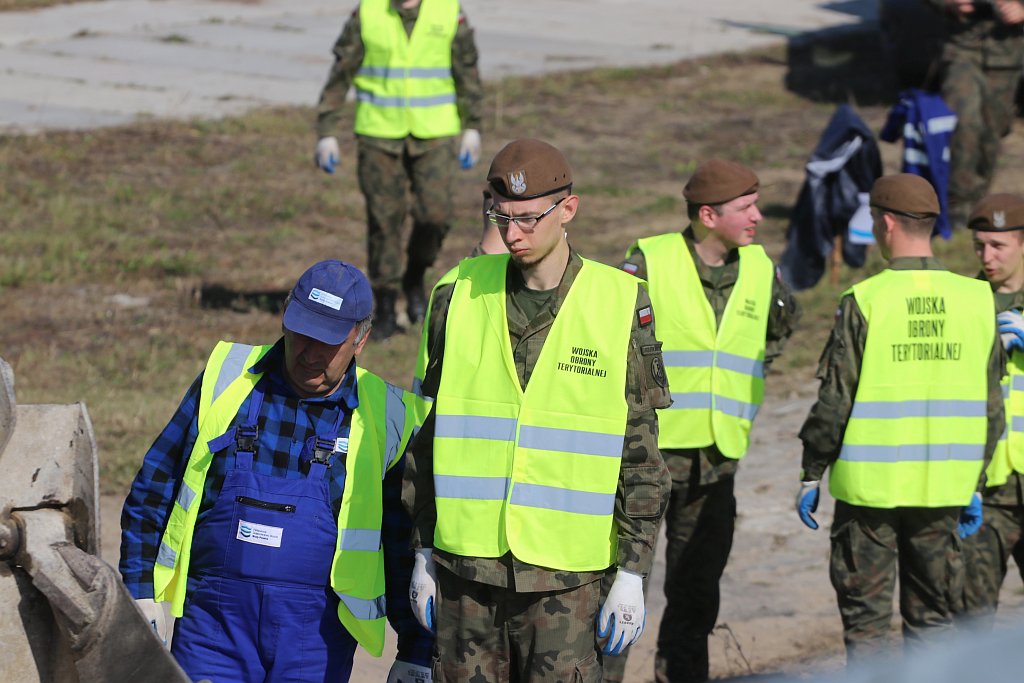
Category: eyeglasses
<point>525,223</point>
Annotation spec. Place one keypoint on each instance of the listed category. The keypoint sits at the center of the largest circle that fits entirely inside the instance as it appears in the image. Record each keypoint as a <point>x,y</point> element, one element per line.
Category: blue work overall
<point>259,606</point>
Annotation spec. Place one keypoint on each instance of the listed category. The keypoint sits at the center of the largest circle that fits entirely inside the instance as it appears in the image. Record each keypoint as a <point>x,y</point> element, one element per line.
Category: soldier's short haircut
<point>693,209</point>
<point>919,226</point>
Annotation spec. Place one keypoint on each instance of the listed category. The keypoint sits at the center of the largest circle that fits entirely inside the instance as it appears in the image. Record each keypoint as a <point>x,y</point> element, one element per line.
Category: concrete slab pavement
<point>109,62</point>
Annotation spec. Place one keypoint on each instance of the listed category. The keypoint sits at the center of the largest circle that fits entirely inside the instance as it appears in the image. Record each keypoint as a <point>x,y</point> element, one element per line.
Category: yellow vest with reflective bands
<point>917,430</point>
<point>380,429</point>
<point>423,355</point>
<point>404,85</point>
<point>715,373</point>
<point>533,471</point>
<point>1009,454</point>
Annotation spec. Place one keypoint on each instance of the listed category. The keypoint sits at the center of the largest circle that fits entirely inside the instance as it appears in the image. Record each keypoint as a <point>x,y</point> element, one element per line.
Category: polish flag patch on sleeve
<point>644,316</point>
<point>630,268</point>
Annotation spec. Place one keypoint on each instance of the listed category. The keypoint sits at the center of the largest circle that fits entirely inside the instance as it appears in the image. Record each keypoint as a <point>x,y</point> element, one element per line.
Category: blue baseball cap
<point>327,302</point>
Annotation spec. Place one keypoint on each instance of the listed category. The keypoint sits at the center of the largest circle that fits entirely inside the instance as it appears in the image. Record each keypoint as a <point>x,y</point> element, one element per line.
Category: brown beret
<point>717,181</point>
<point>998,213</point>
<point>527,168</point>
<point>905,193</point>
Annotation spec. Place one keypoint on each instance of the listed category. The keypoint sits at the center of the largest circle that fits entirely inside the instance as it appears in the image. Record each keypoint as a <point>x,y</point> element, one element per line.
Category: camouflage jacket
<point>644,484</point>
<point>839,372</point>
<point>348,56</point>
<point>718,283</point>
<point>1012,492</point>
<point>982,38</point>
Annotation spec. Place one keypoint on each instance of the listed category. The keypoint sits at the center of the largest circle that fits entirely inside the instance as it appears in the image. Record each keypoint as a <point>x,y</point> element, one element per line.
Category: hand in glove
<point>1011,330</point>
<point>154,614</point>
<point>327,154</point>
<point>970,518</point>
<point>622,616</point>
<point>807,502</point>
<point>405,672</point>
<point>423,588</point>
<point>469,149</point>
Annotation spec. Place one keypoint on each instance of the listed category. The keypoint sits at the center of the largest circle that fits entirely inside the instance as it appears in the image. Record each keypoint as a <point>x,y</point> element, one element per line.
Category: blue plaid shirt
<point>285,421</point>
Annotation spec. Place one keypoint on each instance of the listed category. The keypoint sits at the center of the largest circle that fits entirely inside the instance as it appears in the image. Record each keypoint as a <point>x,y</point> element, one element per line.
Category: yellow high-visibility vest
<point>379,432</point>
<point>715,372</point>
<point>917,430</point>
<point>404,85</point>
<point>423,354</point>
<point>533,471</point>
<point>1009,454</point>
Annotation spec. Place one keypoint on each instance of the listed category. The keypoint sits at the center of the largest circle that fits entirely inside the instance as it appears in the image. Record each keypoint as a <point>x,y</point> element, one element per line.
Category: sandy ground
<point>778,609</point>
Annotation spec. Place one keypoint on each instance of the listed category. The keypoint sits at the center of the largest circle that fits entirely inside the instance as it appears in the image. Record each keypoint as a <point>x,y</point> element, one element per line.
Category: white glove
<point>622,616</point>
<point>404,672</point>
<point>153,613</point>
<point>327,154</point>
<point>469,150</point>
<point>423,588</point>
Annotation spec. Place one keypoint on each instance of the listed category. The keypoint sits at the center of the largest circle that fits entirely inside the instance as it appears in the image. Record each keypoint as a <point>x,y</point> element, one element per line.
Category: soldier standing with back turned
<point>908,413</point>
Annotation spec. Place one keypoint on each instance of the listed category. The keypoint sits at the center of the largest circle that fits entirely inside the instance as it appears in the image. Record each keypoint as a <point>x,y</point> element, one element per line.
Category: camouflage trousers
<point>986,554</point>
<point>867,544</point>
<point>386,180</point>
<point>700,522</point>
<point>489,633</point>
<point>983,100</point>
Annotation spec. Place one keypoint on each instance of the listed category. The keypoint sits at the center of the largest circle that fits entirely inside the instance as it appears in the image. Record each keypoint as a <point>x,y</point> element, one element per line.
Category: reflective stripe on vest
<point>715,372</point>
<point>524,470</point>
<point>380,430</point>
<point>1009,454</point>
<point>423,355</point>
<point>917,430</point>
<point>404,85</point>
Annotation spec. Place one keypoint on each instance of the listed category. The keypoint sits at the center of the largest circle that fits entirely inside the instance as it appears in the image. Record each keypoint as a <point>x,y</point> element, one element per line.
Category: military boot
<point>415,298</point>
<point>384,323</point>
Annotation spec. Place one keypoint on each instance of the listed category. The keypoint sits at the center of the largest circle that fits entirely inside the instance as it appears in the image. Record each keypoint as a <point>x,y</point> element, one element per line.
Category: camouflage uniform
<point>981,63</point>
<point>702,508</point>
<point>556,634</point>
<point>987,552</point>
<point>865,542</point>
<point>386,166</point>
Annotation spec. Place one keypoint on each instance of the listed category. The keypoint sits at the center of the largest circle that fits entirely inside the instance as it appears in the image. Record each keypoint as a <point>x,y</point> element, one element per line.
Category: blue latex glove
<point>807,502</point>
<point>970,518</point>
<point>1011,330</point>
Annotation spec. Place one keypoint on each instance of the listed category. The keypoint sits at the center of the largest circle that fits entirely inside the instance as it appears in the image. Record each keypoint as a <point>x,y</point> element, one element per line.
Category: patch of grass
<point>156,211</point>
<point>175,38</point>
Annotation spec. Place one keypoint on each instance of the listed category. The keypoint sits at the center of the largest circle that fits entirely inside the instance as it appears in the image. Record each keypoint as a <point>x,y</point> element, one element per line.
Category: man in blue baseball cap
<point>267,512</point>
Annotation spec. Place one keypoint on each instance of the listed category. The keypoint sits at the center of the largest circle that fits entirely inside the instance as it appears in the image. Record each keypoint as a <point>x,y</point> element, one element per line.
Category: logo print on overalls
<point>999,219</point>
<point>245,530</point>
<point>517,182</point>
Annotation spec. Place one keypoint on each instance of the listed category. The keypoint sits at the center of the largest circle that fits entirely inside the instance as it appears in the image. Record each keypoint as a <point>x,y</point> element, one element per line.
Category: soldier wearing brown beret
<point>909,411</point>
<point>717,297</point>
<point>997,223</point>
<point>537,471</point>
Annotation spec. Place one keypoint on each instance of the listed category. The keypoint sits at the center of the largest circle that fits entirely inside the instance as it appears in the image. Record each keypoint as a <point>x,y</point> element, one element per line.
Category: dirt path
<point>778,609</point>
